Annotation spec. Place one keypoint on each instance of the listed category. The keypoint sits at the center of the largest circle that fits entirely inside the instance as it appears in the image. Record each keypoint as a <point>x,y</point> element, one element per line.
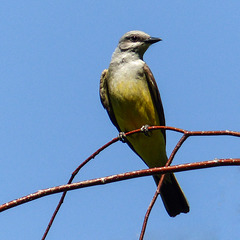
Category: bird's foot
<point>145,130</point>
<point>122,137</point>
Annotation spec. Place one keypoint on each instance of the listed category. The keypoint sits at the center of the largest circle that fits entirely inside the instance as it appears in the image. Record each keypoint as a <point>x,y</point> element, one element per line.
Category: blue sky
<point>52,56</point>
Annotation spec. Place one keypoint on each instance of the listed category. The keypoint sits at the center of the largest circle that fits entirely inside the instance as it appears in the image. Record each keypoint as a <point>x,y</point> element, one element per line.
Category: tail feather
<point>172,195</point>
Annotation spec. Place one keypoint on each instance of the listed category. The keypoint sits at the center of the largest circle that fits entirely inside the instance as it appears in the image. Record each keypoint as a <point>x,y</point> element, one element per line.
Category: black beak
<point>152,40</point>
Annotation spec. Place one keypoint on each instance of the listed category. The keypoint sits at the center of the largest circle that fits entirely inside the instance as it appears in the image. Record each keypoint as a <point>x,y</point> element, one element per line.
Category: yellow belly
<point>133,107</point>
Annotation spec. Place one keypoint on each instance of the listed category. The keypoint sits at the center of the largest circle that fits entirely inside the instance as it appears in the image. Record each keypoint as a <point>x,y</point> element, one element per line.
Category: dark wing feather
<point>155,96</point>
<point>105,100</point>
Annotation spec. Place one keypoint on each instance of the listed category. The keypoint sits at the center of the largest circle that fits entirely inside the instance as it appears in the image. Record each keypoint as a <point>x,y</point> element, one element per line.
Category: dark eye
<point>134,39</point>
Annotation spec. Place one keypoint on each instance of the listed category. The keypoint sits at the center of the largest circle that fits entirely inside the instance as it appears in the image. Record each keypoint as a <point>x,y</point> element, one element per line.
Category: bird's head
<point>136,41</point>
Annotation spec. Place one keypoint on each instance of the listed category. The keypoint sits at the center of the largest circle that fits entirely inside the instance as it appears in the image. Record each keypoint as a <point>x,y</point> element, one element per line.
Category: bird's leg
<point>122,137</point>
<point>145,130</point>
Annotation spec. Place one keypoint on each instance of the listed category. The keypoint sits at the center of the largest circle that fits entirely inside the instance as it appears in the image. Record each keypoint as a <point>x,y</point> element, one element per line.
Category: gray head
<point>136,41</point>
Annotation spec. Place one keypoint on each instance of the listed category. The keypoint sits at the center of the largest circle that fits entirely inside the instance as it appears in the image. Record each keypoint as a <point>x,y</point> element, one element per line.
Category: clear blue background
<point>52,54</point>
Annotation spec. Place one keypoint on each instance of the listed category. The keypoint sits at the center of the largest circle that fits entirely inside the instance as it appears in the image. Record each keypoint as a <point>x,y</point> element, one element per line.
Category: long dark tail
<point>172,195</point>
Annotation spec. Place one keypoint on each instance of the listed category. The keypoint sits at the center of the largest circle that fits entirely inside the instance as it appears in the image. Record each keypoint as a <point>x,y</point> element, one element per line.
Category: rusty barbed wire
<point>119,177</point>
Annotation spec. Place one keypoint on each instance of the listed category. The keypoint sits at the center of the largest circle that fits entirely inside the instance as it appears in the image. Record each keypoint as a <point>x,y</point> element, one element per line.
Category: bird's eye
<point>134,39</point>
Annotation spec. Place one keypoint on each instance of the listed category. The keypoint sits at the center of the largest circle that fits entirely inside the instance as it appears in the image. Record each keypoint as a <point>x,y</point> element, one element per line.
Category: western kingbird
<point>130,95</point>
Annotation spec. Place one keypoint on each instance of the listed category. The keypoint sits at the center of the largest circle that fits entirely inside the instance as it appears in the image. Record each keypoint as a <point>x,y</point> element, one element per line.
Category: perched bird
<point>129,93</point>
